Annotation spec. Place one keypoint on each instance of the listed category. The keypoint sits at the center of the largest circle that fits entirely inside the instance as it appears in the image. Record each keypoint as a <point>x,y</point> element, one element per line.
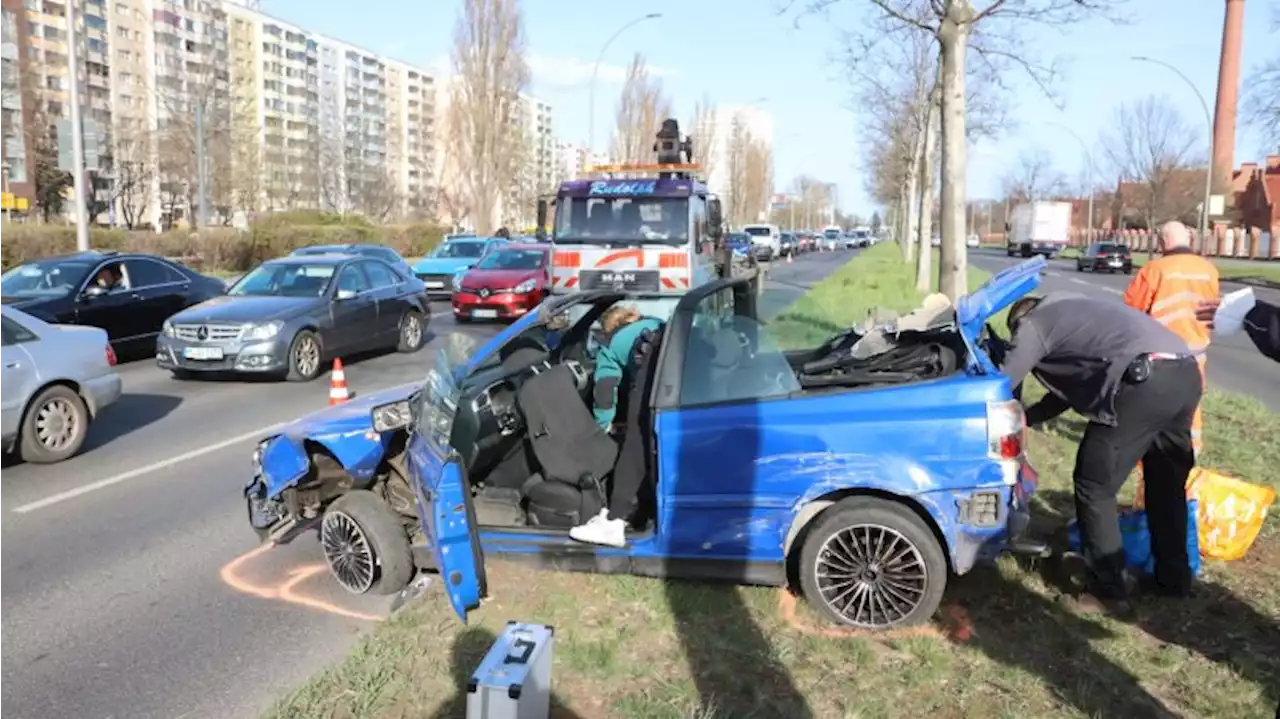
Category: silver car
<point>57,378</point>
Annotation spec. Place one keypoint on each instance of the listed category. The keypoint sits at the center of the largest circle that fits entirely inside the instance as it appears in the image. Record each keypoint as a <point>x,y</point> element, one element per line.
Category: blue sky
<point>740,52</point>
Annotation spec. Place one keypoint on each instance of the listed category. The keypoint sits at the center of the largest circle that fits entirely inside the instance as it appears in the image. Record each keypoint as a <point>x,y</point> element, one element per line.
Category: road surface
<point>119,600</point>
<point>1234,363</point>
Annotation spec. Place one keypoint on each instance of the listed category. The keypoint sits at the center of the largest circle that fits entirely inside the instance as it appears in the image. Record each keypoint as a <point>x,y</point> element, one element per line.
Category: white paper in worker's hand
<point>1229,319</point>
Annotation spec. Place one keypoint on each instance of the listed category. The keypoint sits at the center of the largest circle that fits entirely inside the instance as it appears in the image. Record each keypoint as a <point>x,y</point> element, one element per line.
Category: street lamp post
<point>77,134</point>
<point>1208,117</point>
<point>595,71</point>
<point>1088,156</point>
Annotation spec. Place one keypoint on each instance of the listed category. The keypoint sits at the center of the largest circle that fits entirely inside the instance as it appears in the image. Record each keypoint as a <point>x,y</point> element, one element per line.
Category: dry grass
<point>633,648</point>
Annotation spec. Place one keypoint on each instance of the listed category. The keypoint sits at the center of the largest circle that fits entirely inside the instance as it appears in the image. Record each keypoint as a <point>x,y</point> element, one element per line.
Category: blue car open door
<point>450,525</point>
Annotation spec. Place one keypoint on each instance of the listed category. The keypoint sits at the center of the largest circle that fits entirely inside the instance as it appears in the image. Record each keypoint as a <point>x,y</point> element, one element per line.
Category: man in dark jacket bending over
<point>625,331</point>
<point>1138,385</point>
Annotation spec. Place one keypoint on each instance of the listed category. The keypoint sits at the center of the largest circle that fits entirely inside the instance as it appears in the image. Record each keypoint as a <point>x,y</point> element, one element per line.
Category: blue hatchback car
<point>865,495</point>
<point>450,260</point>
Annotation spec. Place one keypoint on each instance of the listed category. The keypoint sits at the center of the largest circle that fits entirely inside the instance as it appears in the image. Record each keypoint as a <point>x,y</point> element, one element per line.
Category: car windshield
<point>832,234</point>
<point>285,279</point>
<point>757,231</point>
<point>1119,249</point>
<point>511,259</point>
<point>45,278</point>
<point>586,220</point>
<point>458,250</point>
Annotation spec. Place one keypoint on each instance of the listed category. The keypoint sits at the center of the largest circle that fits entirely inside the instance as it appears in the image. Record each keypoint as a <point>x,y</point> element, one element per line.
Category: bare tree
<point>758,185</point>
<point>641,110</point>
<point>737,147</point>
<point>1151,143</point>
<point>704,135</point>
<point>1034,178</point>
<point>134,171</point>
<point>193,107</point>
<point>1262,93</point>
<point>996,31</point>
<point>490,73</point>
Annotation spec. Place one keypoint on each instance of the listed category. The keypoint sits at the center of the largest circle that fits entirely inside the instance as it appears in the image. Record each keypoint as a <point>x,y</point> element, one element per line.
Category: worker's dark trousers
<point>633,456</point>
<point>1153,424</point>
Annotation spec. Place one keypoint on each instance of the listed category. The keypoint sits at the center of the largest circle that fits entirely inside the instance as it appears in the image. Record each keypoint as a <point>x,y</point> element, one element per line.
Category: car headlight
<point>392,416</point>
<point>525,287</point>
<point>263,331</point>
<point>257,457</point>
<point>167,329</point>
<point>457,279</point>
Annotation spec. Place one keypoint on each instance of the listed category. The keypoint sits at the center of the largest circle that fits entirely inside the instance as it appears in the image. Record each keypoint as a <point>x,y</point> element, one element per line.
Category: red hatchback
<point>508,283</point>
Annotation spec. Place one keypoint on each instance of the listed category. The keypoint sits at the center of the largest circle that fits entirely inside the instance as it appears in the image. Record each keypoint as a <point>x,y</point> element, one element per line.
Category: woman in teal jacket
<point>625,333</point>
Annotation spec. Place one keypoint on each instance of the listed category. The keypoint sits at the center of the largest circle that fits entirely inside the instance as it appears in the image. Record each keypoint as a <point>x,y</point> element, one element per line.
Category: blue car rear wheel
<point>872,563</point>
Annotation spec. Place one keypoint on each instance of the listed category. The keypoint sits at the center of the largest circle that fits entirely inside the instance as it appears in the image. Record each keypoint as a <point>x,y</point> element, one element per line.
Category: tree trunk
<point>924,230</point>
<point>953,40</point>
<point>901,222</point>
<point>912,200</point>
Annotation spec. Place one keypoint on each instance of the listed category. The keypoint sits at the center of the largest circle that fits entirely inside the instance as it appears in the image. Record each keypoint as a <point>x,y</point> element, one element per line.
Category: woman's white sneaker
<point>601,530</point>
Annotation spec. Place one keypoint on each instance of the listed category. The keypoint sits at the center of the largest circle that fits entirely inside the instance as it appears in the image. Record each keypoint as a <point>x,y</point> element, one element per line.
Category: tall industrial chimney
<point>1224,118</point>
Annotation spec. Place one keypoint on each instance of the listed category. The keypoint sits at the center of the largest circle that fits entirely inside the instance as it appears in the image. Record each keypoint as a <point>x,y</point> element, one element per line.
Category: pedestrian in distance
<point>627,336</point>
<point>1169,288</point>
<point>1137,384</point>
<point>503,233</point>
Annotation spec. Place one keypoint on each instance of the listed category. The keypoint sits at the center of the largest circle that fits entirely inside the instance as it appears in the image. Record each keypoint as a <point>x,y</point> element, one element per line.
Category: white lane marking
<point>1087,283</point>
<point>147,469</point>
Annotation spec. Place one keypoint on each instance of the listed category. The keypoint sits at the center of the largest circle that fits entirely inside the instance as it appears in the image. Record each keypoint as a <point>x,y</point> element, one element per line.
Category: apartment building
<point>411,142</point>
<point>16,113</point>
<point>287,118</point>
<point>728,121</point>
<point>574,160</point>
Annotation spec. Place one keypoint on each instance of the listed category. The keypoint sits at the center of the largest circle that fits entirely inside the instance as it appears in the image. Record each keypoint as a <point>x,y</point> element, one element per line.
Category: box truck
<point>1038,228</point>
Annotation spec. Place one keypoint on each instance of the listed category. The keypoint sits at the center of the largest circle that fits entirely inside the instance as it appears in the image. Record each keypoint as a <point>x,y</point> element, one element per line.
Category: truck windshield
<point>636,220</point>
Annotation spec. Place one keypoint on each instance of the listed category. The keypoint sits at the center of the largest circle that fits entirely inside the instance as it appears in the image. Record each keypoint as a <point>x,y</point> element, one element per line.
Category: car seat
<point>573,454</point>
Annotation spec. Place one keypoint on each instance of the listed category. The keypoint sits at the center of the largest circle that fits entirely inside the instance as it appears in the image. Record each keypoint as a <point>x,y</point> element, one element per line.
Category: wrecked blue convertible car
<point>863,472</point>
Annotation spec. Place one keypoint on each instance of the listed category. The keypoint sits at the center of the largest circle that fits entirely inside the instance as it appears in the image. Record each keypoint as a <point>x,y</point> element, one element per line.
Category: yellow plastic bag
<point>1231,511</point>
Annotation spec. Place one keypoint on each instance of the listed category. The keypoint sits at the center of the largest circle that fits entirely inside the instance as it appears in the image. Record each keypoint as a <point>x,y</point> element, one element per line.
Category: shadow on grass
<point>1043,635</point>
<point>734,666</point>
<point>1069,428</point>
<point>468,649</point>
<point>807,321</point>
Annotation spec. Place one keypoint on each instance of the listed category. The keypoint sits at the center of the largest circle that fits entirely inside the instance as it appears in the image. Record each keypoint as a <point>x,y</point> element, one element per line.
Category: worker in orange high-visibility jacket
<point>1170,288</point>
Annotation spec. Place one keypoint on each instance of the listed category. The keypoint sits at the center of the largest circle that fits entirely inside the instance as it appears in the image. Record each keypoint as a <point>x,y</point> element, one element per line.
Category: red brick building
<point>16,110</point>
<point>1257,195</point>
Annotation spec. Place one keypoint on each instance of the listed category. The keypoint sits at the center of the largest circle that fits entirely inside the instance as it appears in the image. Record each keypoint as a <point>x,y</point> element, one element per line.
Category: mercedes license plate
<point>485,314</point>
<point>202,353</point>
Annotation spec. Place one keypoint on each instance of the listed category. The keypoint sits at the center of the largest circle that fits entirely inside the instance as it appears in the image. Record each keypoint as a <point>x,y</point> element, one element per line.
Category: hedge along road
<point>1235,365</point>
<point>117,594</point>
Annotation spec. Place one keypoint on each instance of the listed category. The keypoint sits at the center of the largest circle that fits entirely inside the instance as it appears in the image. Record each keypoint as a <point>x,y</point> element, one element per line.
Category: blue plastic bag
<point>1137,539</point>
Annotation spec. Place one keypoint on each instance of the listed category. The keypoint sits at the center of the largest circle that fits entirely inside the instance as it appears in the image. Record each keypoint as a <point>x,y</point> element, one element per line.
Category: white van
<point>766,241</point>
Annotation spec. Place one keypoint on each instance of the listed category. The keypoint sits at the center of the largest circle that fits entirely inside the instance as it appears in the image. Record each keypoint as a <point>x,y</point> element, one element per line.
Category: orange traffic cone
<point>338,384</point>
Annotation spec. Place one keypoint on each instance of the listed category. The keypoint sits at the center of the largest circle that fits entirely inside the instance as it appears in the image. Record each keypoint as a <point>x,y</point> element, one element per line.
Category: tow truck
<point>648,229</point>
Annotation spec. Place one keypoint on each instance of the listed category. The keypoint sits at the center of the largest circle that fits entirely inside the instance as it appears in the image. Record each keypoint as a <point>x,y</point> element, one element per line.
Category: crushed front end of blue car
<point>315,459</point>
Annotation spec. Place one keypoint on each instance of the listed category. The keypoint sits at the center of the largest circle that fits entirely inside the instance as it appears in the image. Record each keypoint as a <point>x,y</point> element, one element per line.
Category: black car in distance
<point>128,295</point>
<point>1106,257</point>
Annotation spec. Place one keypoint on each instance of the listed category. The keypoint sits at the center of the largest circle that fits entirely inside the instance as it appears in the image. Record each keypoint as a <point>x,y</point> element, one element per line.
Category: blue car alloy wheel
<point>872,563</point>
<point>365,544</point>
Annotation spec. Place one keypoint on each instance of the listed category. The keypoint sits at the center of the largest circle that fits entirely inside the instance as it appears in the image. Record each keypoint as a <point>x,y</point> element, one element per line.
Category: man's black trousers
<point>1153,424</point>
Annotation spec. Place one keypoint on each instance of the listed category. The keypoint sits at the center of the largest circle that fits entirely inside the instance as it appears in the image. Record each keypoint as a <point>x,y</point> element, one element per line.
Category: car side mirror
<point>344,295</point>
<point>715,217</point>
<point>93,290</point>
<point>541,232</point>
